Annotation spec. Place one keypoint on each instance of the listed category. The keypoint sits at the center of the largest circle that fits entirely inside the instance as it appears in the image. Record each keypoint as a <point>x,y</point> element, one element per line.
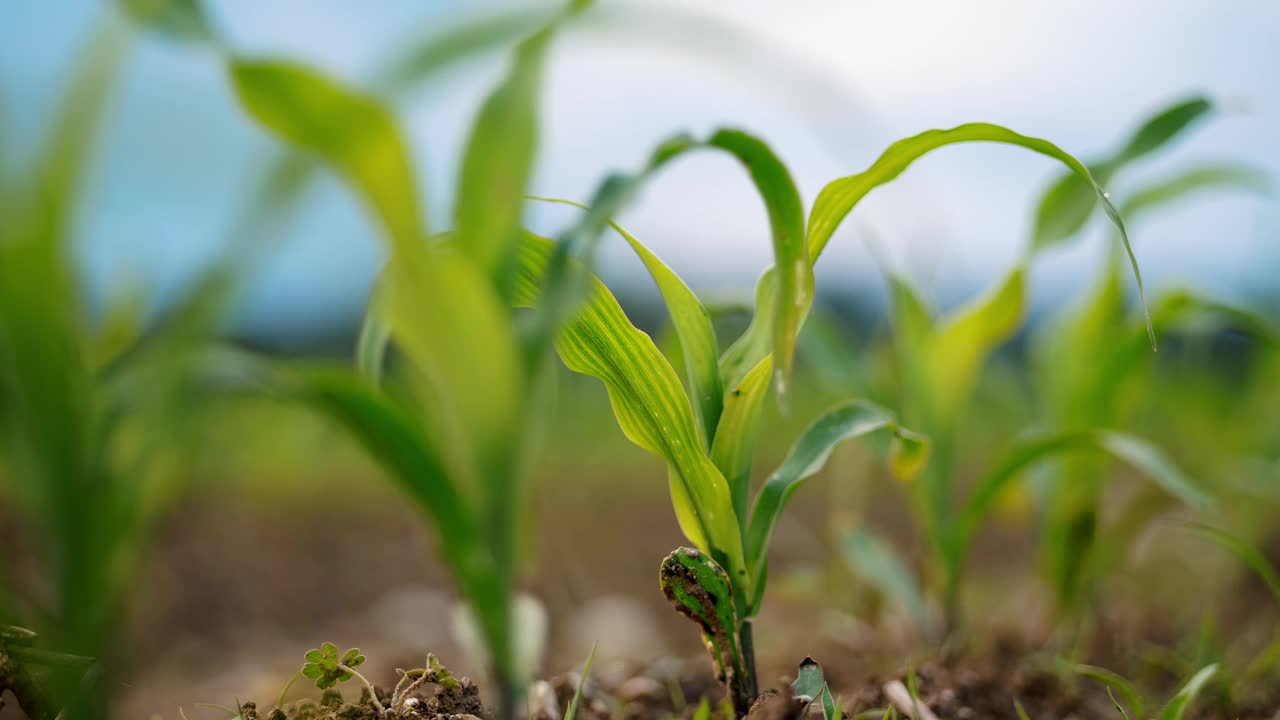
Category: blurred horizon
<point>828,85</point>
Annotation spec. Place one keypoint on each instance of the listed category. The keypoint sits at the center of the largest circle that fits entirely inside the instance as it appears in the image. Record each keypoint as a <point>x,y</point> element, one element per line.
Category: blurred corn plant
<point>452,420</point>
<point>1107,390</point>
<point>941,360</point>
<point>95,451</point>
<point>707,430</point>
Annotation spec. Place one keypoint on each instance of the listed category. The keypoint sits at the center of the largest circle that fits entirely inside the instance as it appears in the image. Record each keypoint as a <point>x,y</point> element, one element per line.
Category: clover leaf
<point>327,668</point>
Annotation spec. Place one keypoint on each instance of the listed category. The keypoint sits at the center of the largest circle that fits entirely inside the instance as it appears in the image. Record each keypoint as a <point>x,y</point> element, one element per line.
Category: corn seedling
<point>1101,393</point>
<point>941,359</point>
<point>89,407</point>
<point>707,434</point>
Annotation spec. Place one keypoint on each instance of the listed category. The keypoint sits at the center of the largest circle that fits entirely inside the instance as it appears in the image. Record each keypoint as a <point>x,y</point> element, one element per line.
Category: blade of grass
<point>1113,681</point>
<point>572,712</point>
<point>1245,553</point>
<point>1177,707</point>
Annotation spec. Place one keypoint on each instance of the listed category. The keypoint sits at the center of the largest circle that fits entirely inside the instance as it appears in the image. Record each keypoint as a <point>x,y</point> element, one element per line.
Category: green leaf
<point>781,200</point>
<point>1192,181</point>
<point>964,340</point>
<point>649,403</point>
<point>701,590</point>
<point>572,711</point>
<point>314,656</point>
<point>810,686</point>
<point>1065,207</point>
<point>182,20</point>
<point>470,352</point>
<point>398,442</point>
<point>1163,127</point>
<point>875,561</point>
<point>1113,681</point>
<point>46,384</point>
<point>735,436</point>
<point>840,196</point>
<point>1245,553</point>
<point>792,265</point>
<point>1141,456</point>
<point>703,711</point>
<point>693,326</point>
<point>498,161</point>
<point>375,334</point>
<point>352,132</point>
<point>1177,707</point>
<point>808,456</point>
<point>809,682</point>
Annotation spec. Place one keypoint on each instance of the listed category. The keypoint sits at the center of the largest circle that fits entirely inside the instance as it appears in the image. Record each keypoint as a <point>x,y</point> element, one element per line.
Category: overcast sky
<point>829,84</point>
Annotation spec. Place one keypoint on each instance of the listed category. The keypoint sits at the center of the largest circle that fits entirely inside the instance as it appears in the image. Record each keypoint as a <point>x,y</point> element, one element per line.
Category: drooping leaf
<point>794,285</point>
<point>352,132</point>
<point>1112,681</point>
<point>1140,455</point>
<point>1245,553</point>
<point>840,196</point>
<point>808,456</point>
<point>1065,207</point>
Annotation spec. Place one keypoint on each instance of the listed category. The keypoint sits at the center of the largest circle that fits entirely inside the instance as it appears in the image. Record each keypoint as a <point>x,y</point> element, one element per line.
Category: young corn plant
<point>91,407</point>
<point>451,419</point>
<point>706,431</point>
<point>941,360</point>
<point>1104,392</point>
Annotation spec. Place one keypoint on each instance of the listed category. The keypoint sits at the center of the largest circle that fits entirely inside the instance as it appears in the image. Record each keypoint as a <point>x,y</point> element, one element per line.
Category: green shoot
<point>452,427</point>
<point>1123,713</point>
<point>1177,706</point>
<point>572,711</point>
<point>708,435</point>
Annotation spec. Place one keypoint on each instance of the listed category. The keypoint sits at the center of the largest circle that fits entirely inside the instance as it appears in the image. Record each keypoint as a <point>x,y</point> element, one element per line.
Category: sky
<point>828,84</point>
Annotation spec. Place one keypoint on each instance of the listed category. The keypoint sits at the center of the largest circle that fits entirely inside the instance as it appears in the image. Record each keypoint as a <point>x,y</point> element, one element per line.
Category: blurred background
<point>829,84</point>
<point>284,536</point>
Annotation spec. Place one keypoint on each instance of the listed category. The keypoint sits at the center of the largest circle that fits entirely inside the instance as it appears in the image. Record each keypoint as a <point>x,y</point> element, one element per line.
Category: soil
<point>237,590</point>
